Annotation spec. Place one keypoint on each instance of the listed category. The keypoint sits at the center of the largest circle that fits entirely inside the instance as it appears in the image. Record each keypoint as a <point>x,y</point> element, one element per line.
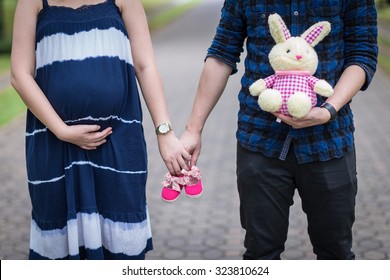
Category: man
<point>314,154</point>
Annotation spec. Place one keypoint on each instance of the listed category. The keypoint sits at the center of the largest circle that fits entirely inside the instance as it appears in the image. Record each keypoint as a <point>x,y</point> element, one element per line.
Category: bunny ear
<point>278,28</point>
<point>316,33</point>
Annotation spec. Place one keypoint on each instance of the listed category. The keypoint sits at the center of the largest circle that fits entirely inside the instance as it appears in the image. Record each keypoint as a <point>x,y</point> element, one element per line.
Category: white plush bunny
<point>292,89</point>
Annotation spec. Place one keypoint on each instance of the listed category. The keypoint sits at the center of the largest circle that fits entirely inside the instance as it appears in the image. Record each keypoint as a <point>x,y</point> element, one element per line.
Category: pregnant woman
<point>75,65</point>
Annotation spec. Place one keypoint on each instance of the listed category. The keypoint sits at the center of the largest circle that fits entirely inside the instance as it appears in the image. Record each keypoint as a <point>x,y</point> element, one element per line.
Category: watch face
<point>164,128</point>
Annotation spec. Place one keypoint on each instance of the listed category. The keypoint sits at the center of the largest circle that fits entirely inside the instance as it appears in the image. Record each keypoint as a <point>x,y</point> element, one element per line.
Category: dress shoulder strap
<point>45,4</point>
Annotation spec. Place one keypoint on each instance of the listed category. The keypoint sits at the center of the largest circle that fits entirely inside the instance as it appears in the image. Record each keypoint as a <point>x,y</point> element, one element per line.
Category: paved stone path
<point>208,227</point>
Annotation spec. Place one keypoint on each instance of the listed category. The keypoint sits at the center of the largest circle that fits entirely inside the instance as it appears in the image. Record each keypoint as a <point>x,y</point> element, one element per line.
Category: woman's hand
<point>316,116</point>
<point>87,137</point>
<point>175,157</point>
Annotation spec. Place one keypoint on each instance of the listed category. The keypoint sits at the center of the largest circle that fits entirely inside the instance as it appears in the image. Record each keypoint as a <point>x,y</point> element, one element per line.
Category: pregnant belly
<point>77,93</point>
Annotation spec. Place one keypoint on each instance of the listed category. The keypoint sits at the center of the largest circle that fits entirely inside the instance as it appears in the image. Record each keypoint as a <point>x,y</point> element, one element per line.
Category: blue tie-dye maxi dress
<point>87,204</point>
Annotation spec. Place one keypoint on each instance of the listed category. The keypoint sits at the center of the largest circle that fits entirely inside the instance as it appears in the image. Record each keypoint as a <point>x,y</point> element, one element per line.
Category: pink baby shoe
<point>193,186</point>
<point>172,187</point>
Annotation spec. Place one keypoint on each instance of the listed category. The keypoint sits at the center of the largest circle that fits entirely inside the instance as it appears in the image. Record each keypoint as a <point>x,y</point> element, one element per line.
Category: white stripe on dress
<point>104,167</point>
<point>89,118</point>
<point>39,182</point>
<point>82,45</point>
<point>52,180</point>
<point>91,231</point>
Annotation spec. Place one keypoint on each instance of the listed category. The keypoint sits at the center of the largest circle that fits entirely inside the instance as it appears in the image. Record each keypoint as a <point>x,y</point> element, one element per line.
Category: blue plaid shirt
<point>352,41</point>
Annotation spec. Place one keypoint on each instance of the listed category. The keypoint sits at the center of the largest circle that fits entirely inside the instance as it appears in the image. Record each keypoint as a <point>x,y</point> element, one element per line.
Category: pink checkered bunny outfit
<point>289,82</point>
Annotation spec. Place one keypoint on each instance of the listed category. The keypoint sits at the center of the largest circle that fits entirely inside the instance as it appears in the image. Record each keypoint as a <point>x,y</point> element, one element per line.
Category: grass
<point>10,105</point>
<point>7,20</point>
<point>167,16</point>
<point>384,43</point>
<point>151,4</point>
<point>9,8</point>
<point>384,13</point>
<point>384,63</point>
<point>384,55</point>
<point>4,63</point>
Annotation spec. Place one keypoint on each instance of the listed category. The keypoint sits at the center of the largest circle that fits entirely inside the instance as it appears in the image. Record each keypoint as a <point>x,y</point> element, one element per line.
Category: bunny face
<point>292,55</point>
<point>295,53</point>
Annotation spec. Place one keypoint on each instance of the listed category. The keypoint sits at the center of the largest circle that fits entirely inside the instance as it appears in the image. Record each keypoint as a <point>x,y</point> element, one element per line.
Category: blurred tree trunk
<point>384,3</point>
<point>380,3</point>
<point>2,31</point>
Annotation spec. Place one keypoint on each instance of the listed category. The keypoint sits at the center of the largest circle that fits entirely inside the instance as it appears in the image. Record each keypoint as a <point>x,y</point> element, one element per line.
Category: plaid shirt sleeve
<point>361,36</point>
<point>228,42</point>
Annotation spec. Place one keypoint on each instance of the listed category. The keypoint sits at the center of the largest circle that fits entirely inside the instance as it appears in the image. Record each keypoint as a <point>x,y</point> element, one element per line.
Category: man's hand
<point>316,116</point>
<point>192,143</point>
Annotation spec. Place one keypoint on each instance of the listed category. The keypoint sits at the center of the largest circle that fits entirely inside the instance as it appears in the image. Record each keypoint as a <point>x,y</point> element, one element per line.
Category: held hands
<point>87,137</point>
<point>175,157</point>
<point>192,142</point>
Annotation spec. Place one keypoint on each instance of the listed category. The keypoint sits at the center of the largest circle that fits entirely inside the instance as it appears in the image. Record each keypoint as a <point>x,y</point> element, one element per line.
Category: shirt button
<point>296,13</point>
<point>263,15</point>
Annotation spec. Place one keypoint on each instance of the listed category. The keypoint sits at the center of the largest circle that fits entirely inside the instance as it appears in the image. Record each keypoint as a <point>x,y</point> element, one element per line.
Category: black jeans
<point>266,188</point>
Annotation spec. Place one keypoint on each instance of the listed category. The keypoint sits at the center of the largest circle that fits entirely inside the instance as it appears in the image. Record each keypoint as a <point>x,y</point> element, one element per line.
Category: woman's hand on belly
<point>87,137</point>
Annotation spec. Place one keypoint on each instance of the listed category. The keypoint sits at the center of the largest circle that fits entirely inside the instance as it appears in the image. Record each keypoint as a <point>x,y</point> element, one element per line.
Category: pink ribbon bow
<point>194,173</point>
<point>173,182</point>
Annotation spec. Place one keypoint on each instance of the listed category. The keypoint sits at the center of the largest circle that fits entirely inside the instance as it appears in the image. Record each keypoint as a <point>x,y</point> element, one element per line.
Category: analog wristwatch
<point>163,129</point>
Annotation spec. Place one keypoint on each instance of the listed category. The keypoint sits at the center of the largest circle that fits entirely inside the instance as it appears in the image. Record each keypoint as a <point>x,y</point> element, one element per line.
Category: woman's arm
<point>22,79</point>
<point>171,149</point>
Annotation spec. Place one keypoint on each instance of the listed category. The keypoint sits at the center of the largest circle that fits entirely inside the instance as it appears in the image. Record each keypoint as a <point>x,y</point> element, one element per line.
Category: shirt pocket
<point>324,8</point>
<point>331,11</point>
<point>258,29</point>
<point>257,23</point>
